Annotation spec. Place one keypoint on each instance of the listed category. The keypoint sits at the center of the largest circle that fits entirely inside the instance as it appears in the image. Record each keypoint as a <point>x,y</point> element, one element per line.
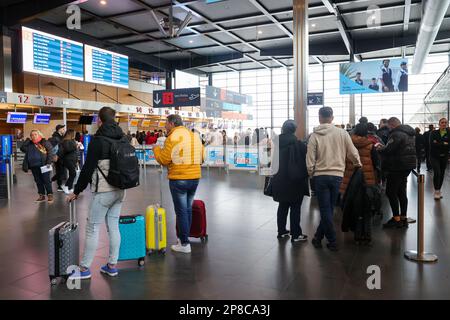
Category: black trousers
<point>439,165</point>
<point>72,174</point>
<point>42,180</point>
<point>59,172</point>
<point>428,159</point>
<point>396,192</point>
<point>283,210</point>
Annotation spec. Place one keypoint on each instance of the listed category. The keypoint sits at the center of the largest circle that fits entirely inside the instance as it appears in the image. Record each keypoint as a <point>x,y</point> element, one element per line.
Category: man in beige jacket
<point>328,148</point>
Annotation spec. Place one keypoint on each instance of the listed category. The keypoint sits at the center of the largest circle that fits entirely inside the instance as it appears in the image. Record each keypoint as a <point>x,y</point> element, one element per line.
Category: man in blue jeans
<point>182,154</point>
<point>328,149</point>
<point>106,201</point>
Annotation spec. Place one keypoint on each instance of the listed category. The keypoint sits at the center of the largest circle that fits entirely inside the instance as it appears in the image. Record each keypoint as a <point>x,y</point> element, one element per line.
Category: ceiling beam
<point>406,15</point>
<point>269,16</point>
<point>342,27</point>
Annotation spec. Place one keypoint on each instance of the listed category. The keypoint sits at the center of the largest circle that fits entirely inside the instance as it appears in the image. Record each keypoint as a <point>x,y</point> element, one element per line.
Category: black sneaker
<point>404,223</point>
<point>284,234</point>
<point>392,223</point>
<point>316,243</point>
<point>332,247</point>
<point>302,237</point>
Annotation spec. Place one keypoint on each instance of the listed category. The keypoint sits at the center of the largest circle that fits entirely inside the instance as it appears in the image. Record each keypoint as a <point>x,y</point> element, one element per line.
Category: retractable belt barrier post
<point>420,255</point>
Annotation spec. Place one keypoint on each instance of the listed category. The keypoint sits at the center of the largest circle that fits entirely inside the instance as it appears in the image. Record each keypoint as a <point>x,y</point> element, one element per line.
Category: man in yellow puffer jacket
<point>183,154</point>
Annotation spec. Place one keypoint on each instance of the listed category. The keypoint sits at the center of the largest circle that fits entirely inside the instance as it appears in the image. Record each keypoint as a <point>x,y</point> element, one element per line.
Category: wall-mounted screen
<point>51,55</point>
<point>16,117</point>
<point>105,67</point>
<point>41,118</point>
<point>388,75</point>
<point>85,120</point>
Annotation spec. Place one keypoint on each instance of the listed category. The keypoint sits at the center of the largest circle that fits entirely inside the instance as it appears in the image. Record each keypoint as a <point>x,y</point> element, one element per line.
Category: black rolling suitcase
<point>63,247</point>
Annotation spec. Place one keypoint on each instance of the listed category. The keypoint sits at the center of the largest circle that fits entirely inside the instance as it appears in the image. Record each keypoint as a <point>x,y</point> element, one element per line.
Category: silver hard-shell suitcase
<point>63,247</point>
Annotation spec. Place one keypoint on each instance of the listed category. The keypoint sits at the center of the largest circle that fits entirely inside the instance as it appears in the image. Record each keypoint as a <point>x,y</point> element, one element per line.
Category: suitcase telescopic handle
<point>127,220</point>
<point>72,213</point>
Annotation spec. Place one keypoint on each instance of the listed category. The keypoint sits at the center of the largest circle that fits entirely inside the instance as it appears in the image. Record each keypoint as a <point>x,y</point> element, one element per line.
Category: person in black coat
<point>420,148</point>
<point>286,190</point>
<point>38,154</point>
<point>399,158</point>
<point>426,138</point>
<point>68,154</point>
<point>439,149</point>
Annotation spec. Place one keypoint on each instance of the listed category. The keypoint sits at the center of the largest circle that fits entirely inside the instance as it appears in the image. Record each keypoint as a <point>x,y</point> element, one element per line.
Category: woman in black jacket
<point>38,154</point>
<point>439,149</point>
<point>286,190</point>
<point>68,153</point>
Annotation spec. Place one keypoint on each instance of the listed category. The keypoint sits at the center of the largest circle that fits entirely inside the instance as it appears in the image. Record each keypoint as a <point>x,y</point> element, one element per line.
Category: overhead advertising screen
<point>105,67</point>
<point>51,55</point>
<point>41,118</point>
<point>378,76</point>
<point>16,117</point>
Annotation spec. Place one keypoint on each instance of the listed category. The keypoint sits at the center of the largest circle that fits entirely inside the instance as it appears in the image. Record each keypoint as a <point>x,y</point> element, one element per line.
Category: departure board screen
<point>51,55</point>
<point>105,67</point>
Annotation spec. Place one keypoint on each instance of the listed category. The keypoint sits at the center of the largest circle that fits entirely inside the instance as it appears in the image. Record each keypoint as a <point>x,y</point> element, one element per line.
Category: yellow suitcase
<point>155,226</point>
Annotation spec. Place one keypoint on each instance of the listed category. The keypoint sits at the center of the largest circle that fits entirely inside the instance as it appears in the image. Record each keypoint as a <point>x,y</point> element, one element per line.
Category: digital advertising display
<point>41,118</point>
<point>377,76</point>
<point>16,117</point>
<point>47,54</point>
<point>105,67</point>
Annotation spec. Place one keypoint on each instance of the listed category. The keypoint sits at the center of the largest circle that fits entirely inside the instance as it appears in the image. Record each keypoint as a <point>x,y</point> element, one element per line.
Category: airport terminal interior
<point>233,71</point>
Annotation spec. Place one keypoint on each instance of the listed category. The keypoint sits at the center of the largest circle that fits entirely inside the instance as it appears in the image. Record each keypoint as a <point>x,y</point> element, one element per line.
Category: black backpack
<point>123,166</point>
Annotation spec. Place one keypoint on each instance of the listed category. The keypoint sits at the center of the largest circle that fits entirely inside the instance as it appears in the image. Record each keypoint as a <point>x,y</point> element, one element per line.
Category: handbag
<point>268,186</point>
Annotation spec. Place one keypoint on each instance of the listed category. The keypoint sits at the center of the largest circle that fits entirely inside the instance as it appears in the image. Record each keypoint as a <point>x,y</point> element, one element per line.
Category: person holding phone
<point>38,156</point>
<point>439,149</point>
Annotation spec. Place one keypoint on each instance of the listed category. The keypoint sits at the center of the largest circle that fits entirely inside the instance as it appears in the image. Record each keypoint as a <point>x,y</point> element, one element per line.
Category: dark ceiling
<point>234,34</point>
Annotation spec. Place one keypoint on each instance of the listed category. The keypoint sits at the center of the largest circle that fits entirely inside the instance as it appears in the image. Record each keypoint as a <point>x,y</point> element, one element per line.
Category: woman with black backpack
<point>68,153</point>
<point>290,181</point>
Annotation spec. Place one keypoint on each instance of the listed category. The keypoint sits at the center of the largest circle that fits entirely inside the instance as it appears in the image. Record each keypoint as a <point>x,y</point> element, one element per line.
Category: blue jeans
<point>105,206</point>
<point>183,192</point>
<point>327,191</point>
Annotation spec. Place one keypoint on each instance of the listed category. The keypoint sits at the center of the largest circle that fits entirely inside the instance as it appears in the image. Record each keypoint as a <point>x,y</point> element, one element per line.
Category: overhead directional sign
<point>189,97</point>
<point>222,95</point>
<point>315,98</point>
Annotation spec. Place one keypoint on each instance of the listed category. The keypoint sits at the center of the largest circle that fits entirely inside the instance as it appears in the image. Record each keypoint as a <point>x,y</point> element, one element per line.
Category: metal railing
<point>420,255</point>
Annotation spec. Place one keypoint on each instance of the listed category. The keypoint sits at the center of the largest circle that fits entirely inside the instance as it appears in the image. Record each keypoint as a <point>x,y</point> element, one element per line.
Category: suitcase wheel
<point>204,239</point>
<point>149,252</point>
<point>53,281</point>
<point>141,262</point>
<point>162,251</point>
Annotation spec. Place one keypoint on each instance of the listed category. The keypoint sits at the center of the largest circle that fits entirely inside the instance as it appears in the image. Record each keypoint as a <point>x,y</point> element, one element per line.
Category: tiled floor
<point>242,259</point>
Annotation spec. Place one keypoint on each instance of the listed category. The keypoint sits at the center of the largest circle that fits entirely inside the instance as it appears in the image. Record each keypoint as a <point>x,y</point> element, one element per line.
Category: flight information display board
<point>105,67</point>
<point>51,55</point>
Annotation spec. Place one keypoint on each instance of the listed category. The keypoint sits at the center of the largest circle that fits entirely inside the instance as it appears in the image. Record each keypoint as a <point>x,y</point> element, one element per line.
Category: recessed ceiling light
<point>259,32</point>
<point>191,41</point>
<point>313,25</point>
<point>103,2</point>
<point>374,17</point>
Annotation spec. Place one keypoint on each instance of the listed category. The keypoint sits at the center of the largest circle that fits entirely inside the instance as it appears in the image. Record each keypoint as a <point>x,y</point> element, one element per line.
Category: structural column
<point>352,105</point>
<point>5,62</point>
<point>301,61</point>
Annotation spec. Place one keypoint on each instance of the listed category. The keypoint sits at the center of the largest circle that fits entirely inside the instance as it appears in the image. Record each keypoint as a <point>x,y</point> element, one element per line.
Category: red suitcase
<point>198,226</point>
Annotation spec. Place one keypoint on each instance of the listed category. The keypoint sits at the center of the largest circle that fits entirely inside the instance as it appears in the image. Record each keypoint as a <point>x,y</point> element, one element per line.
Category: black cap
<point>59,126</point>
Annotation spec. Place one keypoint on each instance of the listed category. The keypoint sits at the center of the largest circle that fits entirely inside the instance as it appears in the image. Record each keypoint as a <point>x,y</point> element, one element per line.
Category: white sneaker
<point>180,248</point>
<point>437,195</point>
<point>67,191</point>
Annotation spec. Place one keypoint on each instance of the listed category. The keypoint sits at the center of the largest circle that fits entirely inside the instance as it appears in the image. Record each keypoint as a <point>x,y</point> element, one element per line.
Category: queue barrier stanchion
<point>420,255</point>
<point>8,178</point>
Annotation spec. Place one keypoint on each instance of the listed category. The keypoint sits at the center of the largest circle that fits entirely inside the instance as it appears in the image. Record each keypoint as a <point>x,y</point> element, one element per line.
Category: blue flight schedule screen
<point>52,55</point>
<point>106,67</point>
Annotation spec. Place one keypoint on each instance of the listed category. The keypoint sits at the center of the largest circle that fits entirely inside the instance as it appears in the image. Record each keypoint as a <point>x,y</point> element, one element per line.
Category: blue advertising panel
<point>16,117</point>
<point>41,118</point>
<point>6,147</point>
<point>242,158</point>
<point>51,55</point>
<point>106,67</point>
<point>378,76</point>
<point>215,156</point>
<point>86,141</point>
